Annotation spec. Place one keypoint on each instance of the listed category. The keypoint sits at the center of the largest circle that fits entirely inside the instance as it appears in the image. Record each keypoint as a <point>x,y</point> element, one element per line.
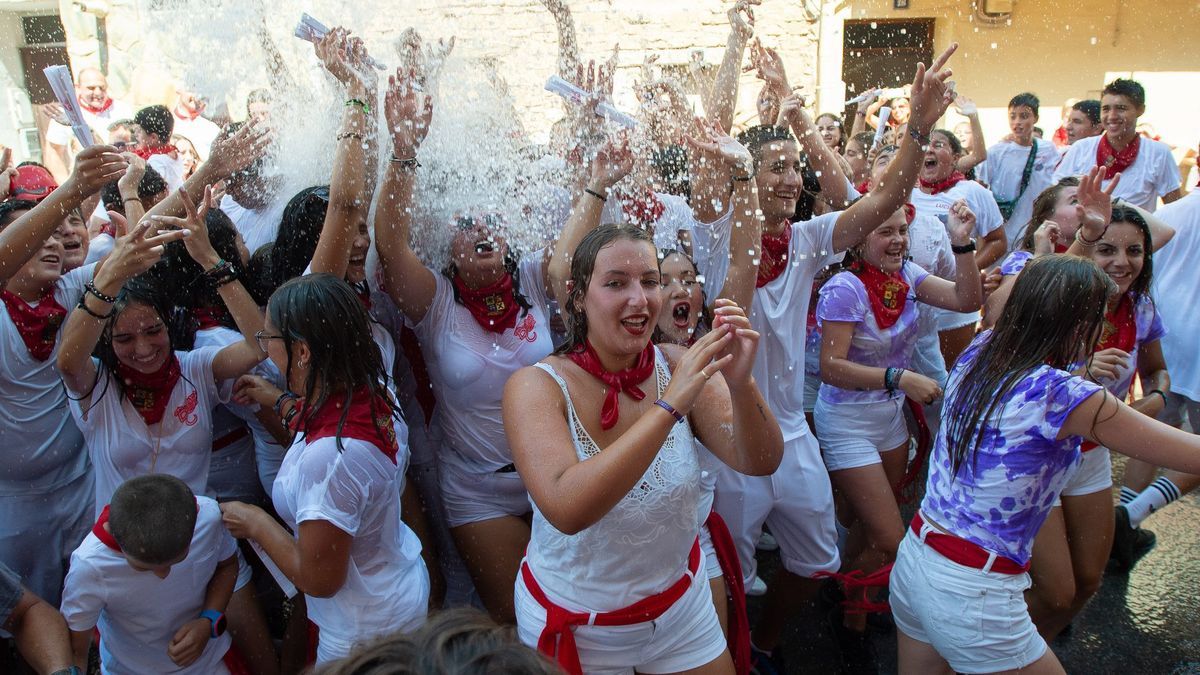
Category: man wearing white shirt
<point>154,127</point>
<point>99,111</point>
<point>191,125</point>
<point>1019,169</point>
<point>1147,169</point>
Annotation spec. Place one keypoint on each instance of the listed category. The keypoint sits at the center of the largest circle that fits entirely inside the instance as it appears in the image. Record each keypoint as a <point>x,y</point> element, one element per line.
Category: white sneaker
<point>766,542</point>
<point>757,587</point>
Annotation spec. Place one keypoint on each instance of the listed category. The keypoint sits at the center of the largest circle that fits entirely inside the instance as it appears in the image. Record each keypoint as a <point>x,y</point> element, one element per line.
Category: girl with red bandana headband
<point>478,322</point>
<point>869,325</point>
<point>46,481</point>
<point>612,466</point>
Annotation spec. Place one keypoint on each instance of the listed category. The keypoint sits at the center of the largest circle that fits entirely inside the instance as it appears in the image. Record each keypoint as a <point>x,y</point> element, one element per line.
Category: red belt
<point>1087,446</point>
<point>964,552</point>
<point>731,569</point>
<point>558,638</point>
<point>230,438</point>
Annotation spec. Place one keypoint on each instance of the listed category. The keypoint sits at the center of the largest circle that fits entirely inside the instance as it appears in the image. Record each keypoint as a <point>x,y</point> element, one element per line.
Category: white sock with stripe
<point>1128,494</point>
<point>1160,493</point>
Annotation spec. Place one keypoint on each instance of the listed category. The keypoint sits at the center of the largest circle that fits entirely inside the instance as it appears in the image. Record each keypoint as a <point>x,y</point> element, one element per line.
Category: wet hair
<point>583,263</point>
<point>258,96</point>
<point>1026,99</point>
<point>1090,108</point>
<point>511,266</point>
<point>325,313</point>
<point>153,518</point>
<point>299,231</point>
<point>461,641</point>
<point>758,137</point>
<point>149,186</point>
<point>177,270</point>
<point>257,280</point>
<point>1055,315</point>
<point>841,144</point>
<point>865,138</point>
<point>1044,207</point>
<point>955,144</point>
<point>704,322</point>
<point>1130,89</point>
<point>1125,214</point>
<point>157,120</point>
<point>12,209</point>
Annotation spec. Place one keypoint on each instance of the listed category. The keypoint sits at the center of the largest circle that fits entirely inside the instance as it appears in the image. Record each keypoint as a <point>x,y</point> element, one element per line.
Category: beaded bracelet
<point>350,134</point>
<point>285,396</point>
<point>410,163</point>
<point>90,289</point>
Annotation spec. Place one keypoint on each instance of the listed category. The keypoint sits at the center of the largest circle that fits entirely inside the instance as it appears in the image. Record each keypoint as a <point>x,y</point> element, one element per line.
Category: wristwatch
<point>968,247</point>
<point>218,622</point>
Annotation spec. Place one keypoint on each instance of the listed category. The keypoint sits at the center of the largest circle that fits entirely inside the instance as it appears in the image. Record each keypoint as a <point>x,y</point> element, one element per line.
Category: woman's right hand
<point>408,111</point>
<point>252,389</point>
<point>919,388</point>
<point>613,162</point>
<point>133,254</point>
<point>696,367</point>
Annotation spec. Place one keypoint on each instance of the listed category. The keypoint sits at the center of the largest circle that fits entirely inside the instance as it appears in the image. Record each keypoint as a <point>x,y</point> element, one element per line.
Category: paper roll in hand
<point>574,94</point>
<point>314,31</point>
<point>59,78</point>
<point>885,113</point>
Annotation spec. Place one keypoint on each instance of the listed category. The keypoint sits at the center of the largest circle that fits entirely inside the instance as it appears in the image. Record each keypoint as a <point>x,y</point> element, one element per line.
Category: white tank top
<point>641,546</point>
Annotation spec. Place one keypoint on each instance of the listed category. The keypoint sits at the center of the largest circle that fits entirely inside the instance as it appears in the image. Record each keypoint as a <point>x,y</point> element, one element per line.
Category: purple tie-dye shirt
<point>1004,490</point>
<point>844,298</point>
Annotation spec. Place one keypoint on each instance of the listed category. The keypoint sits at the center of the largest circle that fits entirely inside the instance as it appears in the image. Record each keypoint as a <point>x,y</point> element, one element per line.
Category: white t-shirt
<point>171,169</point>
<point>122,446</point>
<point>1152,175</point>
<point>98,247</point>
<point>979,199</point>
<point>43,448</point>
<point>200,132</point>
<point>357,489</point>
<point>469,367</point>
<point>1003,170</point>
<point>97,122</point>
<point>137,612</point>
<point>1176,281</point>
<point>929,246</point>
<point>256,227</point>
<point>780,309</point>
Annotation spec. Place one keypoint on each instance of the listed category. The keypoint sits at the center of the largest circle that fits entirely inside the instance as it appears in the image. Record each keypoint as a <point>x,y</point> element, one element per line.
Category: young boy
<point>155,574</point>
<point>1147,169</point>
<point>1019,169</point>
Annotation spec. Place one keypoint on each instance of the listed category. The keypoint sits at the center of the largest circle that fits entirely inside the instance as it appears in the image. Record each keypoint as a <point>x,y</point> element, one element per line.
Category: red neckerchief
<point>643,210</point>
<point>187,115</point>
<point>38,326</point>
<point>149,392</point>
<point>494,307</point>
<point>147,153</point>
<point>1120,328</point>
<point>888,293</point>
<point>212,317</point>
<point>775,249</point>
<point>97,111</point>
<point>1117,162</point>
<point>863,187</point>
<point>622,381</point>
<point>1060,138</point>
<point>104,535</point>
<point>934,188</point>
<point>369,419</point>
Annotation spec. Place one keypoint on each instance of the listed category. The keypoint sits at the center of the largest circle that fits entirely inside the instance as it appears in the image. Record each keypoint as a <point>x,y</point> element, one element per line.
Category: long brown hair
<point>1043,208</point>
<point>583,263</point>
<point>1054,317</point>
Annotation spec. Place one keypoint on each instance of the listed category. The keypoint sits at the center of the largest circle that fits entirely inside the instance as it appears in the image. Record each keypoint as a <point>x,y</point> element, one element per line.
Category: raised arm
<point>346,59</point>
<point>127,186</point>
<point>1094,208</point>
<point>860,113</point>
<point>611,164</point>
<point>568,48</point>
<point>930,99</point>
<point>977,153</point>
<point>721,100</point>
<point>965,293</point>
<point>95,167</point>
<point>406,280</point>
<point>821,157</point>
<point>1104,420</point>
<point>228,153</point>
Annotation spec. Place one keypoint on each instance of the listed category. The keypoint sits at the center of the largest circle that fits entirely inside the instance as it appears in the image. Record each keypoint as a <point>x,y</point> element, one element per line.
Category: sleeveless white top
<point>640,547</point>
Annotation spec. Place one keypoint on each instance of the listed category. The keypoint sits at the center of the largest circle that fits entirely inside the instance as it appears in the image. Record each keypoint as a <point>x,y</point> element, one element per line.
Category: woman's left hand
<point>241,519</point>
<point>197,242</point>
<point>961,223</point>
<point>742,347</point>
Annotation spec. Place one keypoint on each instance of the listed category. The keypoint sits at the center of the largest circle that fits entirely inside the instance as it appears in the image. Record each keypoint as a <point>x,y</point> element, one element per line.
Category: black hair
<point>1125,214</point>
<point>157,120</point>
<point>511,266</point>
<point>841,144</point>
<point>153,518</point>
<point>757,137</point>
<point>1089,107</point>
<point>13,206</point>
<point>299,231</point>
<point>30,162</point>
<point>1130,89</point>
<point>671,165</point>
<point>325,313</point>
<point>955,145</point>
<point>583,263</point>
<point>704,323</point>
<point>1026,99</point>
<point>151,185</point>
<point>1044,206</point>
<point>1071,290</point>
<point>177,270</point>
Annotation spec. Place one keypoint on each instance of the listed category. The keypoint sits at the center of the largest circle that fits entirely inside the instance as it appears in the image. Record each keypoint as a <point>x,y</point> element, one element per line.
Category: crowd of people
<point>250,432</point>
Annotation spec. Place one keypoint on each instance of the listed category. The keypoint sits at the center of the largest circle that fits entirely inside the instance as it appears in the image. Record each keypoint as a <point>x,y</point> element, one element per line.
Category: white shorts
<point>1093,474</point>
<point>796,502</point>
<point>476,497</point>
<point>853,434</point>
<point>686,636</point>
<point>949,320</point>
<point>975,620</point>
<point>812,385</point>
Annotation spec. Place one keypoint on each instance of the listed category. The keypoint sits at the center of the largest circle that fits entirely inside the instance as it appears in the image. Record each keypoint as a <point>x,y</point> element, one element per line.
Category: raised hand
<point>613,162</point>
<point>408,112</point>
<point>701,361</point>
<point>716,143</point>
<point>230,153</point>
<point>931,92</point>
<point>965,106</point>
<point>741,18</point>
<point>95,167</point>
<point>133,254</point>
<point>1045,237</point>
<point>252,389</point>
<point>768,66</point>
<point>196,241</point>
<point>133,173</point>
<point>345,57</point>
<point>1094,203</point>
<point>789,110</point>
<point>960,223</point>
<point>743,345</point>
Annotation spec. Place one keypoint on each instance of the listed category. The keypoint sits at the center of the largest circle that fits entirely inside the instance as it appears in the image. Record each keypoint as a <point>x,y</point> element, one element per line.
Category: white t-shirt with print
<point>139,613</point>
<point>1152,175</point>
<point>1177,293</point>
<point>122,446</point>
<point>1003,170</point>
<point>978,198</point>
